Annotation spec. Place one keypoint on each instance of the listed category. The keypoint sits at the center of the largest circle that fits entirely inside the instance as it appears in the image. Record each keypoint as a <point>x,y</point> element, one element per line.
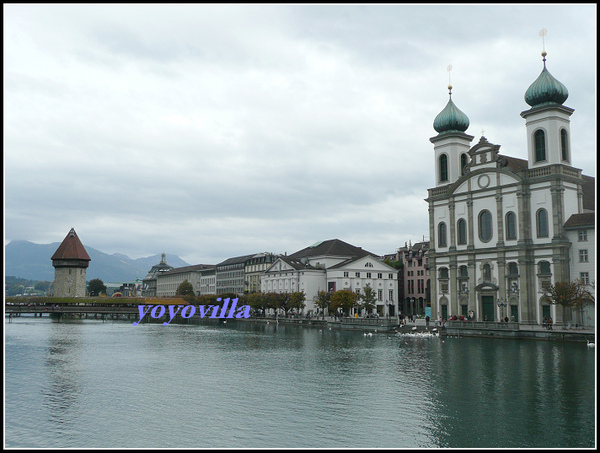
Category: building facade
<point>416,297</point>
<point>497,223</point>
<point>70,263</point>
<point>254,268</point>
<point>167,282</point>
<point>230,275</point>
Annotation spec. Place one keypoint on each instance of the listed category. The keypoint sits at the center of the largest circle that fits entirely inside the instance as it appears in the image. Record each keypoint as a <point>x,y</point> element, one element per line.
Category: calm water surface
<point>94,384</point>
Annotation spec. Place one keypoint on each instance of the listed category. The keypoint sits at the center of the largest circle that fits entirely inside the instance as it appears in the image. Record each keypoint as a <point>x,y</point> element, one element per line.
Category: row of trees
<point>571,295</point>
<point>343,300</point>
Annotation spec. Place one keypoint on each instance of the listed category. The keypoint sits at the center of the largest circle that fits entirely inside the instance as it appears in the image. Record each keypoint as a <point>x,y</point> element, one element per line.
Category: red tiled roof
<point>71,248</point>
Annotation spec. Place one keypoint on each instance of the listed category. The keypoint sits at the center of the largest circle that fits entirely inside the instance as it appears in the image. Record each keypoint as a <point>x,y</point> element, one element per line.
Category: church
<point>503,229</point>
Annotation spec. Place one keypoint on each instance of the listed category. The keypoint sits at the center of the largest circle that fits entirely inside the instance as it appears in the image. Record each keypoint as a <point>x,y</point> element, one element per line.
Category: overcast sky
<point>213,131</point>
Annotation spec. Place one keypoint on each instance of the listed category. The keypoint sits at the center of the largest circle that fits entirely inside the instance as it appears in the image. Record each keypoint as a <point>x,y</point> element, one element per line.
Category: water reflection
<point>112,385</point>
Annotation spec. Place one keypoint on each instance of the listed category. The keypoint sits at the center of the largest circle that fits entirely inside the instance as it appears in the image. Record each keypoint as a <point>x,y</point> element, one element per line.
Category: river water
<point>91,384</point>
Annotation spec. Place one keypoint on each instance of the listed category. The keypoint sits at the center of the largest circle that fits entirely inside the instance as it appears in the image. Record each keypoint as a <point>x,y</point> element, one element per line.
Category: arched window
<point>464,160</point>
<point>485,226</point>
<point>443,168</point>
<point>511,226</point>
<point>544,268</point>
<point>461,231</point>
<point>542,223</point>
<point>540,145</point>
<point>463,271</point>
<point>443,272</point>
<point>442,241</point>
<point>564,145</point>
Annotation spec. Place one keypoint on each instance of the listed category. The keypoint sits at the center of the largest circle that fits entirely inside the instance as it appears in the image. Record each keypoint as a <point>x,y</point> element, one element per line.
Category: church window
<point>443,272</point>
<point>442,242</point>
<point>542,223</point>
<point>544,268</point>
<point>540,145</point>
<point>513,269</point>
<point>463,163</point>
<point>461,228</point>
<point>443,168</point>
<point>485,226</point>
<point>511,226</point>
<point>564,145</point>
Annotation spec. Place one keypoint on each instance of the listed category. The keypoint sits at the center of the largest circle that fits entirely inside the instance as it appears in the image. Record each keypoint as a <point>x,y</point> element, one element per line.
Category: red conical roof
<point>71,249</point>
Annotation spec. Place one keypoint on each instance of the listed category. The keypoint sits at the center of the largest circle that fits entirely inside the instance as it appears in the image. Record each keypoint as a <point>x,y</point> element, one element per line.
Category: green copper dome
<point>451,118</point>
<point>546,89</point>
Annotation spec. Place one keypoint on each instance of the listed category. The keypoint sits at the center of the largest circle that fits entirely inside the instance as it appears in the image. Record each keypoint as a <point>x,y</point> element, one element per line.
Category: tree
<point>323,302</point>
<point>297,301</point>
<point>96,287</point>
<point>185,289</point>
<point>569,295</point>
<point>368,299</point>
<point>344,300</point>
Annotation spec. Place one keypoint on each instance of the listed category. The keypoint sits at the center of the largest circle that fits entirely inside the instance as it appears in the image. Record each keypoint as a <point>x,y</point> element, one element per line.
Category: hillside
<point>32,261</point>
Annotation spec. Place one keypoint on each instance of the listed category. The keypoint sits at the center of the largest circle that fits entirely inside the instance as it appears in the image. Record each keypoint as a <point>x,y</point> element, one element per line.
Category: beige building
<point>167,282</point>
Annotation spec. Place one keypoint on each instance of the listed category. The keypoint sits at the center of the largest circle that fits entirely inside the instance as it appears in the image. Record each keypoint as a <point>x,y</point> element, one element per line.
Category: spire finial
<point>542,34</point>
<point>449,68</point>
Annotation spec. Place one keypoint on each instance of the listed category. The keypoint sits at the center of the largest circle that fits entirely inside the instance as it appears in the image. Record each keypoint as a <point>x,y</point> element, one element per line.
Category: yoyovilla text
<point>187,311</point>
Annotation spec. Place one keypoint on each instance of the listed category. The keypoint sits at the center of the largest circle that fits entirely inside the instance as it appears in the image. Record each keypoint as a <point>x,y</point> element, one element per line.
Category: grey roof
<point>195,267</point>
<point>236,260</point>
<point>332,247</point>
<point>587,219</point>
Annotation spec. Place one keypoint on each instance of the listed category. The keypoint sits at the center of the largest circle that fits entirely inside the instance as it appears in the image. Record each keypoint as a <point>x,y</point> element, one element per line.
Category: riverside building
<point>503,229</point>
<point>331,266</point>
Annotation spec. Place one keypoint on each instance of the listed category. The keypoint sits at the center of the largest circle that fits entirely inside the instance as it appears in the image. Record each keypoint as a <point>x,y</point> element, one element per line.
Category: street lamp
<point>501,303</point>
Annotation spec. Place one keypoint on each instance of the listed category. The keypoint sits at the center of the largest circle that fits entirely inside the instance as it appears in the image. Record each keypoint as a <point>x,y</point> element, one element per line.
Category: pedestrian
<point>427,321</point>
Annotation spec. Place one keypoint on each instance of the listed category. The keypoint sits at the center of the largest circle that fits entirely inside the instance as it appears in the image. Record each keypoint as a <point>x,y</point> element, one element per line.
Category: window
<point>542,223</point>
<point>583,256</point>
<point>461,228</point>
<point>584,277</point>
<point>357,274</point>
<point>513,269</point>
<point>487,273</point>
<point>443,168</point>
<point>511,226</point>
<point>464,160</point>
<point>582,235</point>
<point>391,294</point>
<point>443,272</point>
<point>544,268</point>
<point>380,275</point>
<point>564,145</point>
<point>345,274</point>
<point>391,276</point>
<point>485,226</point>
<point>540,145</point>
<point>368,275</point>
<point>379,294</point>
<point>463,271</point>
<point>442,235</point>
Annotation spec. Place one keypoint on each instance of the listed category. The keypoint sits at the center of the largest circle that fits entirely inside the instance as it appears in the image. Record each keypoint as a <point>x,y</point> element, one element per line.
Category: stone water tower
<point>70,262</point>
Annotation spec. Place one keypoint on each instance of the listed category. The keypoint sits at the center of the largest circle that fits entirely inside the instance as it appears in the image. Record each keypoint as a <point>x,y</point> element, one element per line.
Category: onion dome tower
<point>547,121</point>
<point>451,145</point>
<point>70,262</point>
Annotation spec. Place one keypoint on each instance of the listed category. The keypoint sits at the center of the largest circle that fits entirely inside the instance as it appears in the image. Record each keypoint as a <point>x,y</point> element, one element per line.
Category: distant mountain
<point>32,261</point>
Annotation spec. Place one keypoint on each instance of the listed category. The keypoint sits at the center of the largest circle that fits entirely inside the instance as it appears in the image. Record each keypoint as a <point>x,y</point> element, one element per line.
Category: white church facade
<point>502,228</point>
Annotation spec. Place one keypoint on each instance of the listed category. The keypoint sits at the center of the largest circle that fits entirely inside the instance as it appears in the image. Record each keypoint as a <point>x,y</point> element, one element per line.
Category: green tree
<point>368,299</point>
<point>297,301</point>
<point>185,289</point>
<point>323,302</point>
<point>344,300</point>
<point>96,287</point>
